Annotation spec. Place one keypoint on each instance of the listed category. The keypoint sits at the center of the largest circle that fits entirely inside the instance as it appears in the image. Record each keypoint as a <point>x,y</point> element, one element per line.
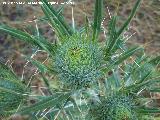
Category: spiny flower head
<point>77,61</point>
<point>114,107</point>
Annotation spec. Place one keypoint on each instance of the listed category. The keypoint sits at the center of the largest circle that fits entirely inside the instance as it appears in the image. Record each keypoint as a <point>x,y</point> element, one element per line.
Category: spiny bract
<point>115,107</point>
<point>77,61</point>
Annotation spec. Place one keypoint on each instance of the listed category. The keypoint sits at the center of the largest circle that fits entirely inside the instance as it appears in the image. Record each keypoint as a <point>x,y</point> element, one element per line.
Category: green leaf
<point>5,114</point>
<point>97,18</point>
<point>56,100</point>
<point>127,22</point>
<point>138,86</point>
<point>87,27</point>
<point>34,40</point>
<point>41,67</point>
<point>5,72</point>
<point>145,77</point>
<point>45,45</point>
<point>56,20</point>
<point>44,18</point>
<point>149,110</point>
<point>8,80</point>
<point>115,36</point>
<point>126,55</point>
<point>154,90</point>
<point>72,111</point>
<point>155,61</point>
<point>18,34</point>
<point>117,79</point>
<point>112,40</point>
<point>11,91</point>
<point>121,58</point>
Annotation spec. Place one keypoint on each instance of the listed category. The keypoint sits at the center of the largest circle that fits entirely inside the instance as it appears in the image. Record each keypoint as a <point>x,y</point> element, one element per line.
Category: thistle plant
<point>94,80</point>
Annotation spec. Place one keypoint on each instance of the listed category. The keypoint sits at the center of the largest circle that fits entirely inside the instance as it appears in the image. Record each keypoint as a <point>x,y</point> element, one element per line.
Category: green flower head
<point>115,107</point>
<point>77,61</point>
